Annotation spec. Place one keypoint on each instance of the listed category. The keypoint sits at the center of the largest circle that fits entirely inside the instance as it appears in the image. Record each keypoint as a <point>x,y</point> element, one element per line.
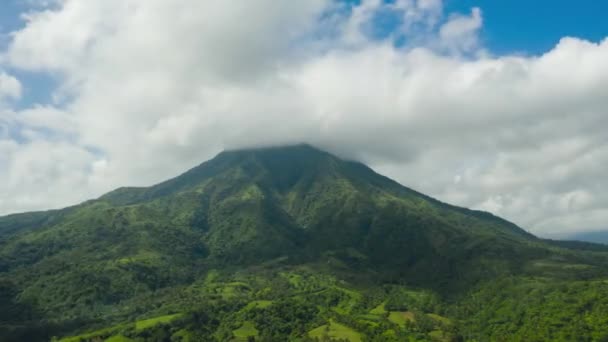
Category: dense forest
<point>290,244</point>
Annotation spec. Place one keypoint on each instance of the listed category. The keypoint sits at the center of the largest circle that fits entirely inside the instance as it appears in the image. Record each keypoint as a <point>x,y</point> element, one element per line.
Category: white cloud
<point>10,87</point>
<point>460,33</point>
<point>40,174</point>
<point>417,18</point>
<point>153,87</point>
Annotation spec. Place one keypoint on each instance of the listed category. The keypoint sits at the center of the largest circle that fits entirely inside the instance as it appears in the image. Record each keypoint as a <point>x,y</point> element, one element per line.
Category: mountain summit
<point>297,200</point>
<point>291,220</point>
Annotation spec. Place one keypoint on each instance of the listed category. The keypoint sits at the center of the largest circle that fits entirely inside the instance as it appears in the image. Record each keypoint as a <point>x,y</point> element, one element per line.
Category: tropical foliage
<point>290,244</point>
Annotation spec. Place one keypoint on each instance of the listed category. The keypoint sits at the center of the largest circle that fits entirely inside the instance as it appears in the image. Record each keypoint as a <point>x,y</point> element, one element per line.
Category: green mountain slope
<point>287,243</point>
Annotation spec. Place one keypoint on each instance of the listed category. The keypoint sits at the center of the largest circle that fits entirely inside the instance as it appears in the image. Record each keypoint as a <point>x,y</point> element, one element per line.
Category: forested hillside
<point>290,244</point>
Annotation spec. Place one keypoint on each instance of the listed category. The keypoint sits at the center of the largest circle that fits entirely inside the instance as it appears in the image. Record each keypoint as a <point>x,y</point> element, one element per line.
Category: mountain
<point>290,243</point>
<point>594,237</point>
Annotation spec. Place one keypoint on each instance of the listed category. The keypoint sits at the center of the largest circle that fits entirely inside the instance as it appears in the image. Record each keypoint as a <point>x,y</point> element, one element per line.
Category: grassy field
<point>147,323</point>
<point>246,330</point>
<point>441,319</point>
<point>139,326</point>
<point>335,330</point>
<point>379,310</point>
<point>259,304</point>
<point>234,289</point>
<point>371,317</point>
<point>401,317</point>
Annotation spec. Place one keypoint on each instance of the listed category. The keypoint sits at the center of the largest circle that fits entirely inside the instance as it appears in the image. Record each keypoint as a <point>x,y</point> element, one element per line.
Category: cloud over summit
<point>149,88</point>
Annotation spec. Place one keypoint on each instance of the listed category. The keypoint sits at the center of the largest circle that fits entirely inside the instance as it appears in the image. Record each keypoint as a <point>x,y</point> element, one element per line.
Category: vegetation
<point>290,244</point>
<point>334,330</point>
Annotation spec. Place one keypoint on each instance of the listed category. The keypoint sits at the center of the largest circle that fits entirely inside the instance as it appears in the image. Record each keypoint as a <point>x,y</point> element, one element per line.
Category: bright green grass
<point>340,310</point>
<point>400,318</point>
<point>237,288</point>
<point>440,318</point>
<point>260,304</point>
<point>118,338</point>
<point>335,330</point>
<point>246,330</point>
<point>370,317</point>
<point>147,323</point>
<point>438,335</point>
<point>379,310</point>
<point>390,333</point>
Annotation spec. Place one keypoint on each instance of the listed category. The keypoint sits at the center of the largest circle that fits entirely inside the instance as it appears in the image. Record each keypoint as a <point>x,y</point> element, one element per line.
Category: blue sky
<point>528,27</point>
<point>9,16</point>
<point>535,26</point>
<point>36,86</point>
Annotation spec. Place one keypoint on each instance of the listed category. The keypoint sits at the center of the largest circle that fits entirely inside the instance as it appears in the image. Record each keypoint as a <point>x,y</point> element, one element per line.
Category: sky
<point>493,105</point>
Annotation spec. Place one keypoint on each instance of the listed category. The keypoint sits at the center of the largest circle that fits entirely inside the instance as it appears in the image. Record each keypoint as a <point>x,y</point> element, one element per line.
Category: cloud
<point>10,87</point>
<point>411,19</point>
<point>42,174</point>
<point>150,88</point>
<point>460,33</point>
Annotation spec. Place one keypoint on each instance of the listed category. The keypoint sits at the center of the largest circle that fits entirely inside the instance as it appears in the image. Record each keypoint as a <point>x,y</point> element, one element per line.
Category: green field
<point>260,304</point>
<point>138,325</point>
<point>400,318</point>
<point>379,310</point>
<point>335,330</point>
<point>246,330</point>
<point>147,323</point>
<point>441,319</point>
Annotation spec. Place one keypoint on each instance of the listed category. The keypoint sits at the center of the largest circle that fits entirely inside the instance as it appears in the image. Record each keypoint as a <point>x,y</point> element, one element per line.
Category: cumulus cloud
<point>42,174</point>
<point>151,87</point>
<point>460,33</point>
<point>10,87</point>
